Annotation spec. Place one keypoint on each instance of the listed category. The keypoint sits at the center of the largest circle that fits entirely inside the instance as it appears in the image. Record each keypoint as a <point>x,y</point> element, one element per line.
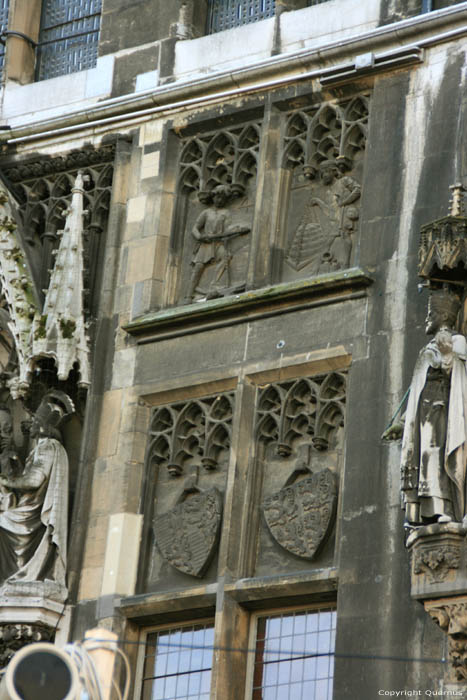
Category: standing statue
<point>434,449</point>
<point>212,230</point>
<point>34,505</point>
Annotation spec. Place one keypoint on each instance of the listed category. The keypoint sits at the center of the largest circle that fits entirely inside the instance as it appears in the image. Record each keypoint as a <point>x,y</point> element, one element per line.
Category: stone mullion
<point>266,203</point>
<point>232,621</point>
<point>230,644</point>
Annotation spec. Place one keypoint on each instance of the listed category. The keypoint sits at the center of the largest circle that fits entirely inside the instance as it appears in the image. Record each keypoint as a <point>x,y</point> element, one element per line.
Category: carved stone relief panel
<point>187,461</point>
<point>299,432</point>
<point>43,189</point>
<point>216,189</point>
<point>323,154</point>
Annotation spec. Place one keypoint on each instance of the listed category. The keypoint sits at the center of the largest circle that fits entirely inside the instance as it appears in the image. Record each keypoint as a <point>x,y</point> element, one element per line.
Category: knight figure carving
<point>34,496</point>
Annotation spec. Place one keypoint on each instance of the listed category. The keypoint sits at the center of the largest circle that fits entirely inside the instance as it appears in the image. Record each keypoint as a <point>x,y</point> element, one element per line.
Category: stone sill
<point>152,608</point>
<point>252,305</point>
<point>269,590</point>
<point>200,601</point>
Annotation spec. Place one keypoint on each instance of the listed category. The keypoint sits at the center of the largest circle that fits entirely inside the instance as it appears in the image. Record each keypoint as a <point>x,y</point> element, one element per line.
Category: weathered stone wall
<point>281,307</point>
<point>409,162</point>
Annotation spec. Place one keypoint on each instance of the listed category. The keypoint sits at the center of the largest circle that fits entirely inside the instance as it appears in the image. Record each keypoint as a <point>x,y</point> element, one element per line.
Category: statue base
<point>30,612</point>
<point>438,560</point>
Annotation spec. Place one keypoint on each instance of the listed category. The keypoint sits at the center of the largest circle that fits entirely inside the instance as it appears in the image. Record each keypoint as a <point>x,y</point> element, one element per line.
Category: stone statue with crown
<point>33,528</point>
<point>434,443</point>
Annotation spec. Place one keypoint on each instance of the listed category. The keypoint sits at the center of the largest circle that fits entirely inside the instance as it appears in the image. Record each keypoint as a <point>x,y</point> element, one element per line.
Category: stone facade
<point>245,257</point>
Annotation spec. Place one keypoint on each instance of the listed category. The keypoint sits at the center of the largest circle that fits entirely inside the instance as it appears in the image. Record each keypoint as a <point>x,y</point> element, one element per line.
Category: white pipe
<point>115,106</point>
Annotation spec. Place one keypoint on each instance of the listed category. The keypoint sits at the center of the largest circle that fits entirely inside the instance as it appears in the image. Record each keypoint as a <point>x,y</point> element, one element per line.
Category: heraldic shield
<point>301,516</point>
<point>187,535</point>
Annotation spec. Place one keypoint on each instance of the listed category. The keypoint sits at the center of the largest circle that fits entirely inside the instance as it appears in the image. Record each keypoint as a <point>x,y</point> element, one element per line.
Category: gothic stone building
<point>210,262</point>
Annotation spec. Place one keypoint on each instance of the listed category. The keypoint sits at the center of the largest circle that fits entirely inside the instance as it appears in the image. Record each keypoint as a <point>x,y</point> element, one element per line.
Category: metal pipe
<point>115,106</point>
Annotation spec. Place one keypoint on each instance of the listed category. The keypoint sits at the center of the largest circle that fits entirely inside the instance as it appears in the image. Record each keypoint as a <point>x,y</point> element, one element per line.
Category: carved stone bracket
<point>16,636</point>
<point>30,612</point>
<point>451,615</point>
<point>438,560</point>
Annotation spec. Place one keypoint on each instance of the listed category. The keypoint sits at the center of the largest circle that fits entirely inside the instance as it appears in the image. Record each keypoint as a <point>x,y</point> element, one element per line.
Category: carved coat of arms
<point>187,535</point>
<point>300,516</point>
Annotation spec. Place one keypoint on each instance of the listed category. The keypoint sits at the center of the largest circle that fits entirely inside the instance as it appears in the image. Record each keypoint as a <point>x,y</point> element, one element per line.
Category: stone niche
<point>299,435</point>
<point>322,161</point>
<point>188,456</point>
<point>214,213</point>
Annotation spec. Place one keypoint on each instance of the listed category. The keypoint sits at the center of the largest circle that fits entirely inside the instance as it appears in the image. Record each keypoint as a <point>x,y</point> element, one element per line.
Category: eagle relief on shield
<point>187,535</point>
<point>300,516</point>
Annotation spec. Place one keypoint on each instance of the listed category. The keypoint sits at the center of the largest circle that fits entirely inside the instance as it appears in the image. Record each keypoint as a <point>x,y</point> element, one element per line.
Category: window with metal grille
<point>294,657</point>
<point>177,663</point>
<point>68,39</point>
<point>225,14</point>
<point>3,26</point>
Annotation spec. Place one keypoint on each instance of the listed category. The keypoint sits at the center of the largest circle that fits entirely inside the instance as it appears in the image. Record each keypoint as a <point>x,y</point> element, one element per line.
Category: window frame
<point>142,641</point>
<point>322,606</point>
<point>43,58</point>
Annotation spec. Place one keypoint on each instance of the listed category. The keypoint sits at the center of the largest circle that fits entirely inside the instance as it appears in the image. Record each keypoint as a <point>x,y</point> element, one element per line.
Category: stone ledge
<point>329,288</point>
<point>157,608</point>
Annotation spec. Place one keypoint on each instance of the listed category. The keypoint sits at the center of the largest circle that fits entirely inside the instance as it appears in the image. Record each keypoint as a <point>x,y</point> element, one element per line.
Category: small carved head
<point>443,308</point>
<point>54,409</point>
<point>329,171</point>
<point>220,195</point>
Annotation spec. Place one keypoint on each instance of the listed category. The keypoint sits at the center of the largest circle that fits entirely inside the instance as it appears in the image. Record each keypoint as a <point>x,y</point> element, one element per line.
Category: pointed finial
<point>457,200</point>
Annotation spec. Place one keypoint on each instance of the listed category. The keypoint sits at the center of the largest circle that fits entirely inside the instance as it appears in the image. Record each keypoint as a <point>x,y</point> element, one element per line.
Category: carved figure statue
<point>345,191</point>
<point>33,516</point>
<point>212,230</point>
<point>433,459</point>
<point>323,239</point>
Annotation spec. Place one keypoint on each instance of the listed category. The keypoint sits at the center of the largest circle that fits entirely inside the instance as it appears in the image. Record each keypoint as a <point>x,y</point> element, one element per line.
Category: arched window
<point>68,39</point>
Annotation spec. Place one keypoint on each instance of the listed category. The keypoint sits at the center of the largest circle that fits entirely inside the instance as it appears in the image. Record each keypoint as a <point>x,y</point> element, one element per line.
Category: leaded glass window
<point>3,26</point>
<point>177,663</point>
<point>225,14</point>
<point>294,657</point>
<point>68,39</point>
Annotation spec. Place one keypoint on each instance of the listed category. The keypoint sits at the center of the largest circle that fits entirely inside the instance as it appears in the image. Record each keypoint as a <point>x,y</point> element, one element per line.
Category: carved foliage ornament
<point>451,616</point>
<point>300,516</point>
<point>436,561</point>
<point>324,147</point>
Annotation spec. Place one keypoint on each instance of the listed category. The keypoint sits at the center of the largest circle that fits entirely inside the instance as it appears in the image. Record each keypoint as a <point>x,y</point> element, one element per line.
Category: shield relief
<point>187,535</point>
<point>301,516</point>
